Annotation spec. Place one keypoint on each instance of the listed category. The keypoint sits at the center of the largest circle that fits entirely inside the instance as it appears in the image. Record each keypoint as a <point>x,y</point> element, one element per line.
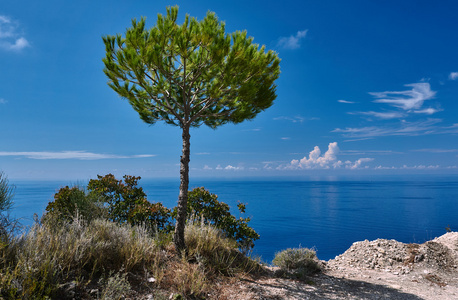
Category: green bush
<point>126,203</point>
<point>205,207</point>
<point>68,202</point>
<point>298,262</point>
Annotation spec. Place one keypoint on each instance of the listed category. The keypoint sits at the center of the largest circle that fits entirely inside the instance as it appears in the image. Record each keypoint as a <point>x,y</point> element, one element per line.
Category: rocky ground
<point>380,269</point>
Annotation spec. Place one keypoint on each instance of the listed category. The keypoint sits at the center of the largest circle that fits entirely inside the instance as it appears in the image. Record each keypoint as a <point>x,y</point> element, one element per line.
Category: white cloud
<point>231,168</point>
<point>10,38</point>
<point>358,163</point>
<point>292,42</point>
<point>326,161</point>
<point>3,101</point>
<point>218,167</point>
<point>427,111</point>
<point>407,100</point>
<point>381,115</point>
<point>207,168</point>
<point>405,128</point>
<point>384,168</point>
<point>371,152</point>
<point>296,119</point>
<point>285,138</point>
<point>80,155</point>
<point>345,101</point>
<point>436,150</point>
<point>420,167</point>
<point>453,76</point>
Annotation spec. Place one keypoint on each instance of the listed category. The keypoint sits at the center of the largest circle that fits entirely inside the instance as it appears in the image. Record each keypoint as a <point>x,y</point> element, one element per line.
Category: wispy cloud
<point>453,76</point>
<point>79,155</point>
<point>420,167</point>
<point>380,115</point>
<point>3,101</point>
<point>292,42</point>
<point>285,138</point>
<point>296,119</point>
<point>404,128</point>
<point>10,38</point>
<point>371,152</point>
<point>345,101</point>
<point>315,160</point>
<point>427,111</point>
<point>436,150</point>
<point>406,100</point>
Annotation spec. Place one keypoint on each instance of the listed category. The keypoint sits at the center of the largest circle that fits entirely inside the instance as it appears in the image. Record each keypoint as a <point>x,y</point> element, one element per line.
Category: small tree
<point>188,75</point>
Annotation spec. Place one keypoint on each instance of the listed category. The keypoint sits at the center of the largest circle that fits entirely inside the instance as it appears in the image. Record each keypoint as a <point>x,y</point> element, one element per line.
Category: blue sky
<point>367,87</point>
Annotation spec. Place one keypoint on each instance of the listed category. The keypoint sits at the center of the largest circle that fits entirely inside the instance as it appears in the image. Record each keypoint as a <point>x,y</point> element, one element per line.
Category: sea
<point>327,214</point>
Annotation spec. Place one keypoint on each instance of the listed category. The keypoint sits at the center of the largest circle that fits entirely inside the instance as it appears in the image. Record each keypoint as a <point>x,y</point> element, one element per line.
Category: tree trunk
<point>183,197</point>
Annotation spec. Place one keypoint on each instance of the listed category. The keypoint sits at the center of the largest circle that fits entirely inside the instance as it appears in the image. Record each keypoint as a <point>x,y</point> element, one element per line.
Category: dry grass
<point>43,261</point>
<point>46,256</point>
<point>297,262</point>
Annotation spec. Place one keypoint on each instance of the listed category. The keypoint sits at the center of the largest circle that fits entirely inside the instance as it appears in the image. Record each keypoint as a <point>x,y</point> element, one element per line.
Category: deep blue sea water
<point>328,214</point>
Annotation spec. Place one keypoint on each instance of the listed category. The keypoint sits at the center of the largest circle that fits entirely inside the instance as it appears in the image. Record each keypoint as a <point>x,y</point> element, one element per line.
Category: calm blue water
<point>328,215</point>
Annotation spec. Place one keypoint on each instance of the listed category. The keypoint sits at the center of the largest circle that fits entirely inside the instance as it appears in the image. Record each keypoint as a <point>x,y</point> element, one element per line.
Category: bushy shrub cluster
<point>124,202</point>
<point>297,262</point>
<point>115,200</point>
<point>204,206</point>
<point>71,201</point>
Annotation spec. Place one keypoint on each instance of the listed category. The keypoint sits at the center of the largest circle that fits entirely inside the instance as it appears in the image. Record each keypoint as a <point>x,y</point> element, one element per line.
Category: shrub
<point>68,202</point>
<point>215,252</point>
<point>297,261</point>
<point>126,203</point>
<point>205,207</point>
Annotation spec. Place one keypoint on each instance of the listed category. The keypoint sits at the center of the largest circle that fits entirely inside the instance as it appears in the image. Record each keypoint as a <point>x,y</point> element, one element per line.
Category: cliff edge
<point>380,269</point>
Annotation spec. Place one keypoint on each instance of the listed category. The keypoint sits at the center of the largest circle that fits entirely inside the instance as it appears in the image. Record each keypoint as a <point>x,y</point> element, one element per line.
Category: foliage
<point>48,256</point>
<point>69,202</point>
<point>215,252</point>
<point>297,261</point>
<point>126,202</point>
<point>188,75</point>
<point>204,206</point>
<point>6,193</point>
<point>7,224</point>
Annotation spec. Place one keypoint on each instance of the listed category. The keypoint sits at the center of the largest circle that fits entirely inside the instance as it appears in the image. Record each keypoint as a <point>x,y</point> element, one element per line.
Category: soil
<point>380,269</point>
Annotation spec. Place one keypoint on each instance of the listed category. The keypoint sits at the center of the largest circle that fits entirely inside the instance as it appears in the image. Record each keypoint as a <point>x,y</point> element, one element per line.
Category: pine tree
<point>189,75</point>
